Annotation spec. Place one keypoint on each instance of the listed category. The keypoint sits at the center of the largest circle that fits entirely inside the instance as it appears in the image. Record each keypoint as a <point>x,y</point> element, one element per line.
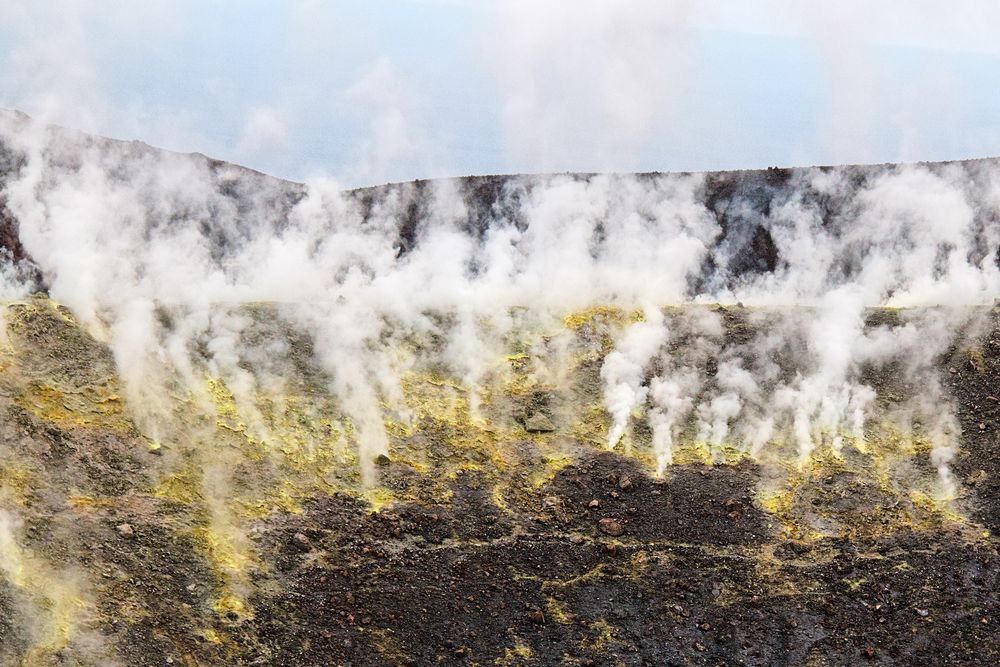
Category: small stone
<point>705,626</point>
<point>537,617</point>
<point>190,587</point>
<point>382,460</point>
<point>576,539</point>
<point>610,527</point>
<point>922,612</point>
<point>125,530</point>
<point>302,542</point>
<point>594,504</point>
<point>625,483</point>
<point>869,651</point>
<point>538,423</point>
<point>699,646</point>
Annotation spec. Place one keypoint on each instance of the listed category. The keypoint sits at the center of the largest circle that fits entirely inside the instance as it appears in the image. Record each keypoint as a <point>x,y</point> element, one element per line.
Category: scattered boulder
<point>302,542</point>
<point>538,423</point>
<point>610,527</point>
<point>977,477</point>
<point>554,504</point>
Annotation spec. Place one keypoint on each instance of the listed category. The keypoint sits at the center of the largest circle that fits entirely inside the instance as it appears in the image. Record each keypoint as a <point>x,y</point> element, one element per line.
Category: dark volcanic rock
<point>668,595</point>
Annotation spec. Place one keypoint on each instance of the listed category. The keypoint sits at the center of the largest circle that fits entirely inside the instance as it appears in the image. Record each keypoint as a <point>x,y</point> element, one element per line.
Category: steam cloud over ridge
<point>158,254</point>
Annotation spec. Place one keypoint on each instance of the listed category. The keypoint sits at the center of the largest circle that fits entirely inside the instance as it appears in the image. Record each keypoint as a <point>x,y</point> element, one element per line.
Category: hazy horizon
<point>393,91</point>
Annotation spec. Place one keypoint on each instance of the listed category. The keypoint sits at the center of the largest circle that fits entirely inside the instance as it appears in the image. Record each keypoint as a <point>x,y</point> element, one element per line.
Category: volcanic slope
<point>205,481</point>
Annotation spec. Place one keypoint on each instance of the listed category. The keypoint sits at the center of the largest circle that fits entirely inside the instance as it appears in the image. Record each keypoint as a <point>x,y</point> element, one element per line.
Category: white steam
<point>157,254</point>
<point>624,369</point>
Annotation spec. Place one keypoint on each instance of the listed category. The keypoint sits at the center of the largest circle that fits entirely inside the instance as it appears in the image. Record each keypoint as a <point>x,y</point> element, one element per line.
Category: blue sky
<point>369,91</point>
